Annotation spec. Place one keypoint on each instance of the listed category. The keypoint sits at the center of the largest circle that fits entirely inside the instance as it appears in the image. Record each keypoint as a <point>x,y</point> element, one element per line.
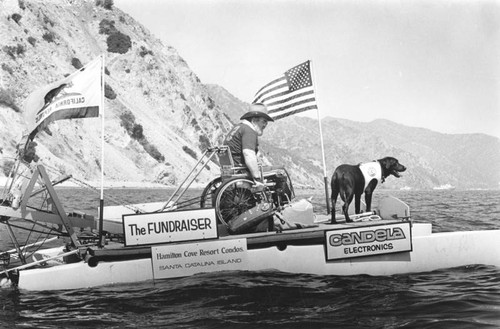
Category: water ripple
<point>465,297</point>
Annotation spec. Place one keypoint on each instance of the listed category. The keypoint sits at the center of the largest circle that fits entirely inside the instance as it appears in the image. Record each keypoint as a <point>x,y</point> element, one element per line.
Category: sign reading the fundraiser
<point>166,227</point>
<point>177,260</point>
<point>368,241</point>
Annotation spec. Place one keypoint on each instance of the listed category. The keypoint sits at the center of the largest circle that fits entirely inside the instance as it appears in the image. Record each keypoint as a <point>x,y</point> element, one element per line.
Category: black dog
<point>351,181</point>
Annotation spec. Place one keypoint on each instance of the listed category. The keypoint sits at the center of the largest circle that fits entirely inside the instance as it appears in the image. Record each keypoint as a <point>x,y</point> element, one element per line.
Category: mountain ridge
<point>434,159</point>
<point>160,118</point>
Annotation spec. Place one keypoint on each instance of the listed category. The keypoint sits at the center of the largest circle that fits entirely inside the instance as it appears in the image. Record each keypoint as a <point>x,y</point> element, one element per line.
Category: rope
<point>32,245</point>
<point>123,202</point>
<point>118,201</point>
<point>84,184</point>
<point>40,246</point>
<point>38,262</point>
<point>37,231</point>
<point>114,199</point>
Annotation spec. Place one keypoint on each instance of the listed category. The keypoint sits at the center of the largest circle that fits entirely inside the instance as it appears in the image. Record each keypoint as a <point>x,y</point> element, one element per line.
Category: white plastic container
<point>299,212</point>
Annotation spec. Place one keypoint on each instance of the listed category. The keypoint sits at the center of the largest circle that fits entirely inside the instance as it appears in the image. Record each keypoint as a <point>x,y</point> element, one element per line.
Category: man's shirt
<point>241,137</point>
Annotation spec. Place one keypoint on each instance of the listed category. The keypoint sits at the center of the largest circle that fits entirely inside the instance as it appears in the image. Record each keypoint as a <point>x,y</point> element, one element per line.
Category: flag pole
<point>101,200</point>
<point>325,178</point>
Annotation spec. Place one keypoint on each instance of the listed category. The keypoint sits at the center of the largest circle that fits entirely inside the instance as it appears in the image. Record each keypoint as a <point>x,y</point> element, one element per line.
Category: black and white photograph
<point>249,164</point>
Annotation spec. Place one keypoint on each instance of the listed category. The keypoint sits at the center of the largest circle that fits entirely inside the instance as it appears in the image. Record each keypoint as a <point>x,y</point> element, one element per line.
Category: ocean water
<point>464,297</point>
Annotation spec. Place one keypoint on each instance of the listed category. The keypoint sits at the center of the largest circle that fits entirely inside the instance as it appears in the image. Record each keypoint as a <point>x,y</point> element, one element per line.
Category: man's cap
<point>257,110</point>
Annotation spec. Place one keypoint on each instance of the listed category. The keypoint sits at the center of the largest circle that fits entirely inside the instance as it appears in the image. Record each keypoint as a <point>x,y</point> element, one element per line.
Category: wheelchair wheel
<point>234,198</point>
<point>208,194</point>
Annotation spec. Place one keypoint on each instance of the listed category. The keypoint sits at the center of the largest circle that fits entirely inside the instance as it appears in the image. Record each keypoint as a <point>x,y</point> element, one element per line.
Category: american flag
<point>291,93</point>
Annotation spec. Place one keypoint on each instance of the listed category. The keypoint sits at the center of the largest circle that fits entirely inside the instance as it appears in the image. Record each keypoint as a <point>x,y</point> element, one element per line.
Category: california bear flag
<point>76,96</point>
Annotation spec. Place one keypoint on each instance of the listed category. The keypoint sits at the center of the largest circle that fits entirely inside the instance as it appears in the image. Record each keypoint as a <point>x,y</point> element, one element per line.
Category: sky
<point>422,63</point>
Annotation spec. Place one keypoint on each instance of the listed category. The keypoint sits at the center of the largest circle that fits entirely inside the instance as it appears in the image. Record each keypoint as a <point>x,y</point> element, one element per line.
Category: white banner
<point>170,261</point>
<point>368,240</point>
<point>173,226</point>
<point>76,96</point>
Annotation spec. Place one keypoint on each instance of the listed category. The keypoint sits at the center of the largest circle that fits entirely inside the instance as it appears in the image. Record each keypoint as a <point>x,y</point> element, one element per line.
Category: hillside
<point>150,86</point>
<point>160,117</point>
<point>433,159</point>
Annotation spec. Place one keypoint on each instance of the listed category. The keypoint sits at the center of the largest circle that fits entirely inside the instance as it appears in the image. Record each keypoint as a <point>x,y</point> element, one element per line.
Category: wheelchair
<point>233,193</point>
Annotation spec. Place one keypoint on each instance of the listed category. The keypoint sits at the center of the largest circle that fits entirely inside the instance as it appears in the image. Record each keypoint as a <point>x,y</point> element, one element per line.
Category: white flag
<point>76,96</point>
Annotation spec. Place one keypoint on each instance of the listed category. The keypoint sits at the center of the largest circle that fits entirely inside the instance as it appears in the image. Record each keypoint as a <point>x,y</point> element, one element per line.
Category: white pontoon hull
<point>430,252</point>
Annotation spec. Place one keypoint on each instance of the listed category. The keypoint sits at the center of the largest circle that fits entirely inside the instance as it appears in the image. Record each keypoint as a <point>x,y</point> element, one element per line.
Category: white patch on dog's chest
<point>371,170</point>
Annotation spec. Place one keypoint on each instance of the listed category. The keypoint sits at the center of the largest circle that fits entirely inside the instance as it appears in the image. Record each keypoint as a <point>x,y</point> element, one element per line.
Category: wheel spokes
<point>235,201</point>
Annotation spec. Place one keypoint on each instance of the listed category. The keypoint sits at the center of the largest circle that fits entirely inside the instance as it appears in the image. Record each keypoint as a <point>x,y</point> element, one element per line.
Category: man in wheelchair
<point>250,195</point>
<point>243,140</point>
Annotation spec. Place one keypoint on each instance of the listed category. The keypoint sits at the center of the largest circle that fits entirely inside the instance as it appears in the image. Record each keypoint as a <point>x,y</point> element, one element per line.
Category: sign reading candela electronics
<point>176,260</point>
<point>368,241</point>
<point>164,227</point>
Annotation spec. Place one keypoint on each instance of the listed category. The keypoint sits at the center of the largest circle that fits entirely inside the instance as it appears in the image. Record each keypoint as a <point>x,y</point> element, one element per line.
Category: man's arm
<point>251,163</point>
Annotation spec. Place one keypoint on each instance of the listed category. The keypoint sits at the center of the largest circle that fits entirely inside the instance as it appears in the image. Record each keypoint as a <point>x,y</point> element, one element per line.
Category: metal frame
<point>58,214</point>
